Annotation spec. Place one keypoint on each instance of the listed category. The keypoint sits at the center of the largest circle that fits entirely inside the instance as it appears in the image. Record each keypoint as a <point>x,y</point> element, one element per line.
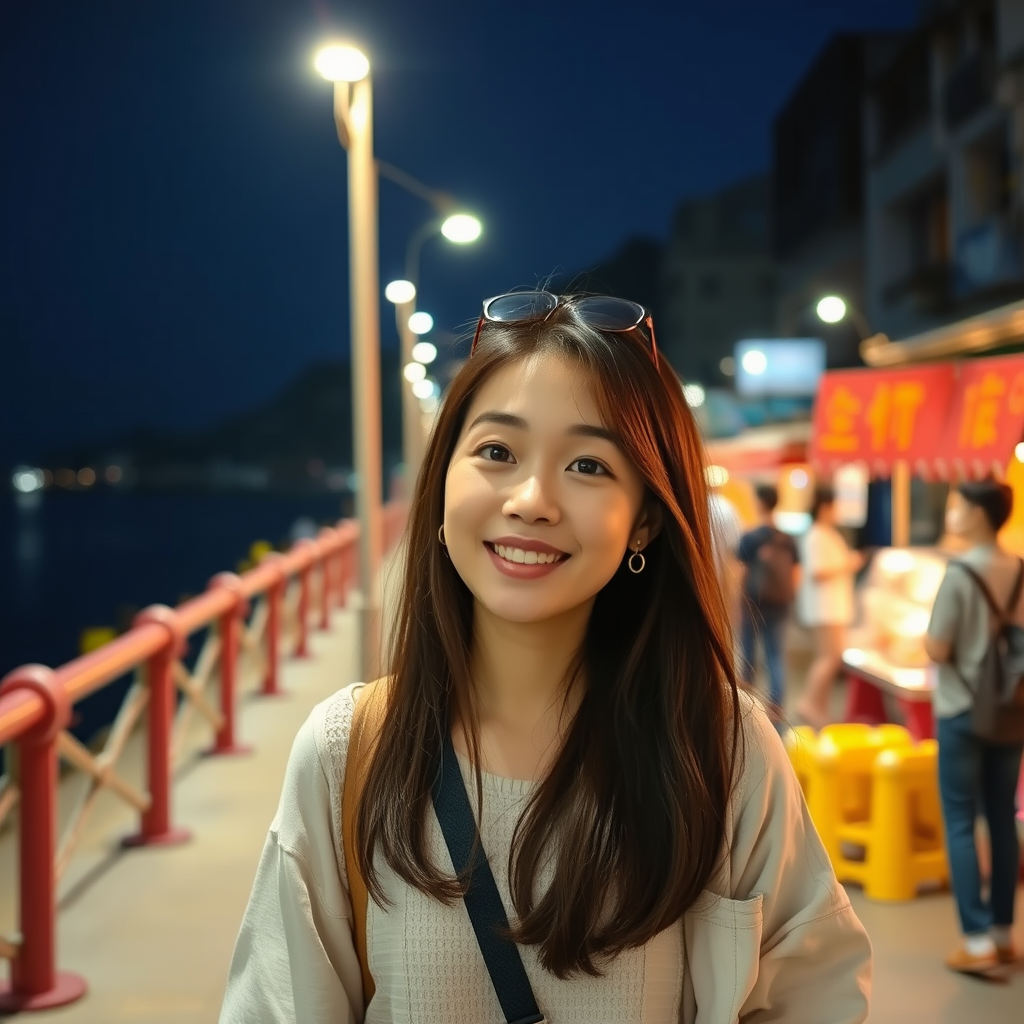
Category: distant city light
<point>716,476</point>
<point>423,388</point>
<point>799,479</point>
<point>728,366</point>
<point>694,395</point>
<point>755,362</point>
<point>26,480</point>
<point>414,372</point>
<point>64,477</point>
<point>342,64</point>
<point>461,228</point>
<point>87,477</point>
<point>114,474</point>
<point>421,323</point>
<point>400,292</point>
<point>429,404</point>
<point>831,309</point>
<point>424,352</point>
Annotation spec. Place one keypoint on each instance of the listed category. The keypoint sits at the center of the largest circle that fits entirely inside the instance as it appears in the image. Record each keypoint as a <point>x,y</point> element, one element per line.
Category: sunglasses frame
<point>562,300</point>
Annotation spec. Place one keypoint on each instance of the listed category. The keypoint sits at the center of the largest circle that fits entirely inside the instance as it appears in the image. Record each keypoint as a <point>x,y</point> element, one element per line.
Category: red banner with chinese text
<point>986,420</point>
<point>882,416</point>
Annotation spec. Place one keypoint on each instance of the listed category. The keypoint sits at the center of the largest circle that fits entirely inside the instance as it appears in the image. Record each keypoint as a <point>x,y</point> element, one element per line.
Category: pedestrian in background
<point>976,775</point>
<point>825,603</point>
<point>771,567</point>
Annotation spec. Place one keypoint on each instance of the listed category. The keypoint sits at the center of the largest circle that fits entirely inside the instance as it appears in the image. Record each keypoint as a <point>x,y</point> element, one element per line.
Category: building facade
<point>818,193</point>
<point>943,161</point>
<point>718,280</point>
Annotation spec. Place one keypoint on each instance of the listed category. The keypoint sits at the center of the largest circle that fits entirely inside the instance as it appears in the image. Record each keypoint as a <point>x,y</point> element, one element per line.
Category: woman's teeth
<point>525,557</point>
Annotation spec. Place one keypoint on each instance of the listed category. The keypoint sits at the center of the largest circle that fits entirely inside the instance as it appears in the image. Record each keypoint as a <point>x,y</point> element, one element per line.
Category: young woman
<point>826,604</point>
<point>563,635</point>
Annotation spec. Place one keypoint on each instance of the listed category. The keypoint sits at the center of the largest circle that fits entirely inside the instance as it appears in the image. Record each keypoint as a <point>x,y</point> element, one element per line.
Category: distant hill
<point>309,422</point>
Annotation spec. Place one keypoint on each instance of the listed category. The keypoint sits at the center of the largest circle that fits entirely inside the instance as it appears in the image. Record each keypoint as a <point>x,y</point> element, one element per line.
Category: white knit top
<point>295,962</point>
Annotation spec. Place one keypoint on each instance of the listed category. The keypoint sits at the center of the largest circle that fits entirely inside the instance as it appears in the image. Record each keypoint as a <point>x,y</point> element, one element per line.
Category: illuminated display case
<point>896,599</point>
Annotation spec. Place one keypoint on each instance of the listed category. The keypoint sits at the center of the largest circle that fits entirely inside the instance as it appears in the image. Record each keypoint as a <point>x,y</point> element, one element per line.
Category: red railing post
<point>275,598</point>
<point>229,627</point>
<point>35,983</point>
<point>324,560</point>
<point>156,828</point>
<point>302,644</point>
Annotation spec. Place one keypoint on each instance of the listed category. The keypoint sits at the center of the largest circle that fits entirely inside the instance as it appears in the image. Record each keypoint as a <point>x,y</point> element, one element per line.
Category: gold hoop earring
<point>636,569</point>
<point>440,535</point>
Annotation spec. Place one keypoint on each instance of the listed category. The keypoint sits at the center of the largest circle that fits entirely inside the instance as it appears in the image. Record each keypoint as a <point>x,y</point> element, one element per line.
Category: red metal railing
<point>36,705</point>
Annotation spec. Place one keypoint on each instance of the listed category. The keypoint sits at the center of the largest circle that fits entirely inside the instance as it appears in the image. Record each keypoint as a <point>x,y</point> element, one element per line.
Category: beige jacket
<point>773,938</point>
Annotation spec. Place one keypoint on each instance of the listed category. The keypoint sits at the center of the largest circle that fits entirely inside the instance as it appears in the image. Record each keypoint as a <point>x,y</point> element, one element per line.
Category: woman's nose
<point>533,500</point>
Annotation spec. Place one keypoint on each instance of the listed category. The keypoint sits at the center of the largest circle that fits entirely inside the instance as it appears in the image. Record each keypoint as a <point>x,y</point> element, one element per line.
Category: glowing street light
<point>414,372</point>
<point>421,323</point>
<point>424,352</point>
<point>462,228</point>
<point>423,388</point>
<point>831,309</point>
<point>694,395</point>
<point>755,362</point>
<point>399,292</point>
<point>342,64</point>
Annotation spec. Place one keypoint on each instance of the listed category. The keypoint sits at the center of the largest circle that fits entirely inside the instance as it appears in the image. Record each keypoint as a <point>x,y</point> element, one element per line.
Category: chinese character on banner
<point>893,413</point>
<point>841,412</point>
<point>979,422</point>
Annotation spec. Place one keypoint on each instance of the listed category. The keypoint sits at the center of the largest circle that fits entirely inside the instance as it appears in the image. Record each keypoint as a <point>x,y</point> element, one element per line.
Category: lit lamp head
<point>461,228</point>
<point>341,63</point>
<point>400,292</point>
<point>831,309</point>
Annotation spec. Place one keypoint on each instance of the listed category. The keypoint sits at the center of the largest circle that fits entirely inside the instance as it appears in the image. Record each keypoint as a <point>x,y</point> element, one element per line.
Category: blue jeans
<point>978,776</point>
<point>768,626</point>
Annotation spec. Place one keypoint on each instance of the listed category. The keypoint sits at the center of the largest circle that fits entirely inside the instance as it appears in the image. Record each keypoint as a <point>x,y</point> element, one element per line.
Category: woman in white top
<point>562,627</point>
<point>825,602</point>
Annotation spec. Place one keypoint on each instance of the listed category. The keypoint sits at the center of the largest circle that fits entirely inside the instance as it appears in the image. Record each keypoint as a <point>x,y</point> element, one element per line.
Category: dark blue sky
<point>173,239</point>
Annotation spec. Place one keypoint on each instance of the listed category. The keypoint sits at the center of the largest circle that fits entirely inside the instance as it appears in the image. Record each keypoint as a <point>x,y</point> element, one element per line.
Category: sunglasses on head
<point>602,312</point>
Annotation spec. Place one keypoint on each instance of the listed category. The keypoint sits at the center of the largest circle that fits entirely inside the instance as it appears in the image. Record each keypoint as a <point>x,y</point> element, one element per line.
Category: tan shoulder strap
<point>366,722</point>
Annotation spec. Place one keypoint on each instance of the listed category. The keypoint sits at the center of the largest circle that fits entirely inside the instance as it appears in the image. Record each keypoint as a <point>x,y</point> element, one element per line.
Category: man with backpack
<point>770,560</point>
<point>977,639</point>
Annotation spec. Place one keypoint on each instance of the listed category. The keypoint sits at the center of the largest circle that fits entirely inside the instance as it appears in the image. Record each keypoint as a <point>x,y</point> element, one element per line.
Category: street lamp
<point>831,309</point>
<point>461,229</point>
<point>349,70</point>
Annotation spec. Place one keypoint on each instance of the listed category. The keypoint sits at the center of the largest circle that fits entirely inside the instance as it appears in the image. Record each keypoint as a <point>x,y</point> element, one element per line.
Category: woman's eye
<point>495,453</point>
<point>590,467</point>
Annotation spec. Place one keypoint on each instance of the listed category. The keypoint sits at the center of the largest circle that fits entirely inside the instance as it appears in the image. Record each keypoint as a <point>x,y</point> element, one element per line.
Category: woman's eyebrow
<point>507,419</point>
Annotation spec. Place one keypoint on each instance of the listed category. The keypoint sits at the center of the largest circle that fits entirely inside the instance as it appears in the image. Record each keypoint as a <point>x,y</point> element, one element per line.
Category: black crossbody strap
<point>1001,617</point>
<point>483,901</point>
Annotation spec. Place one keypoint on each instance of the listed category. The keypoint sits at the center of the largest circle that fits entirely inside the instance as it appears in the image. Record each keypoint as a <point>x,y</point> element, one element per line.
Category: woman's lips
<point>523,570</point>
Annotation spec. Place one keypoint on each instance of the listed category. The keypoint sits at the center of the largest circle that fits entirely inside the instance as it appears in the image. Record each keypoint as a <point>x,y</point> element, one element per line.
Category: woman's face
<point>541,504</point>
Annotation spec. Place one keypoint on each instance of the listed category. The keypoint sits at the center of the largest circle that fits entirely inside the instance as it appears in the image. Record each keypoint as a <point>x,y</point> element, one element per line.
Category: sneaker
<point>967,963</point>
<point>1006,954</point>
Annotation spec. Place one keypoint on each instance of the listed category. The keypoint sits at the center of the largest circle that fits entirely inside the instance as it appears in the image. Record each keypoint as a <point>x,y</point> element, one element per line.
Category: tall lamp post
<point>461,229</point>
<point>349,70</point>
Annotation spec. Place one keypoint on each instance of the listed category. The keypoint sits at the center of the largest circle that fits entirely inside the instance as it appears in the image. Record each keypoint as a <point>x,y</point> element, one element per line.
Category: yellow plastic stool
<point>839,783</point>
<point>801,743</point>
<point>902,837</point>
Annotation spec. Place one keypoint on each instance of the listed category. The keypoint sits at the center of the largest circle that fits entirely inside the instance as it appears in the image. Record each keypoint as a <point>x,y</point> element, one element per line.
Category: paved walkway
<point>152,930</point>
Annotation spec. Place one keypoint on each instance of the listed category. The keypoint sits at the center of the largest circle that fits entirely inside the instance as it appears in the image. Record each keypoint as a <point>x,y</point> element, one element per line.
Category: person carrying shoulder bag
<point>976,638</point>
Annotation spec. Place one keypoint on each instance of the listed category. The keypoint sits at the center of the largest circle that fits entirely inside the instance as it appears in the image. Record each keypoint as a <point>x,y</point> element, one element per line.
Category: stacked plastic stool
<point>873,796</point>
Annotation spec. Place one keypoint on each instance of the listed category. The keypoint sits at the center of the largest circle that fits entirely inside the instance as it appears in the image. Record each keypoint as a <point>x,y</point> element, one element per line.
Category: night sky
<point>173,241</point>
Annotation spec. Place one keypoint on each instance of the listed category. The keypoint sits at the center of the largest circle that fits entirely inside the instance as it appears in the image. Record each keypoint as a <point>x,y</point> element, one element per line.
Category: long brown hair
<point>634,806</point>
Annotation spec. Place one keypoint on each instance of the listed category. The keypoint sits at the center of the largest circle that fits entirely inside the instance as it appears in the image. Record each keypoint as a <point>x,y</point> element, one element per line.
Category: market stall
<point>948,421</point>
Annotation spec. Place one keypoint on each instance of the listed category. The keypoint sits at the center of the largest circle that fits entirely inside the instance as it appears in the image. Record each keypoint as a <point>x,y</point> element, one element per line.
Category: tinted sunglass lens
<point>518,306</point>
<point>607,313</point>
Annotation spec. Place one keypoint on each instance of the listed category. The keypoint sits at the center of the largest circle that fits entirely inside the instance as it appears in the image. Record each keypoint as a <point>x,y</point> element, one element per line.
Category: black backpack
<point>997,713</point>
<point>769,581</point>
